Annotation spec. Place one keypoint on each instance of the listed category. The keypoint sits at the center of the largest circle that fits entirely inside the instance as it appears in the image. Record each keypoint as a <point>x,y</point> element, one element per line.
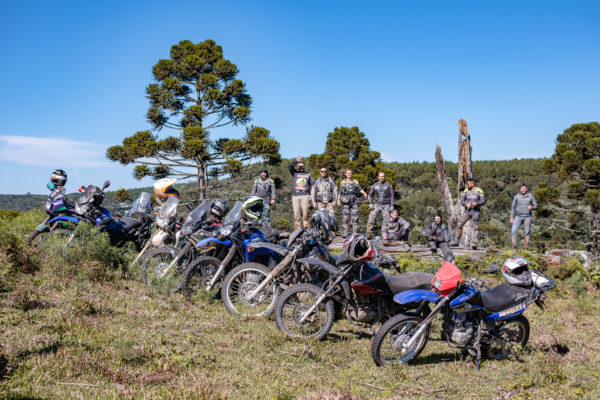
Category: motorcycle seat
<point>409,280</point>
<point>129,224</point>
<point>503,296</point>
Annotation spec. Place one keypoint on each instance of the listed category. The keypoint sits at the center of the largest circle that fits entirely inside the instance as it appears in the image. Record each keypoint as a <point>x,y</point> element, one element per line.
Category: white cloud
<point>388,157</point>
<point>50,152</point>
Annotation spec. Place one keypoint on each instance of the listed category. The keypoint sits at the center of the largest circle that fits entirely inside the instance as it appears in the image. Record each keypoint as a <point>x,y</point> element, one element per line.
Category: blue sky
<point>74,75</point>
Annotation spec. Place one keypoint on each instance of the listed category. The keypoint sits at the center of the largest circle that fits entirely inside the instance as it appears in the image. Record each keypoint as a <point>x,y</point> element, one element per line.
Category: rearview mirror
<point>492,269</point>
<point>106,184</point>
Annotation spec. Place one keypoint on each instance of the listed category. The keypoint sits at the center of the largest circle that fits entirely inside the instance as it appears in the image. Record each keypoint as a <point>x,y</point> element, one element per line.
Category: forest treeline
<point>417,198</point>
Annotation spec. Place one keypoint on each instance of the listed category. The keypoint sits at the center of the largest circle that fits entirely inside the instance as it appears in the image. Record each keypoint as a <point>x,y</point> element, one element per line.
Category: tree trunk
<point>201,181</point>
<point>454,211</point>
<point>464,155</point>
<point>445,190</point>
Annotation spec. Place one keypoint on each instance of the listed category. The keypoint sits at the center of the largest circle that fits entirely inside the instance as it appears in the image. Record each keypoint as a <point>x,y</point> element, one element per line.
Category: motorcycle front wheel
<point>240,282</point>
<point>293,304</point>
<point>387,346</point>
<point>198,274</point>
<point>506,338</point>
<point>157,274</point>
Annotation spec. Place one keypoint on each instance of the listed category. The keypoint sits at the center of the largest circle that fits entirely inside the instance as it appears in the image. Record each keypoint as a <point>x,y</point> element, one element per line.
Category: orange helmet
<point>164,187</point>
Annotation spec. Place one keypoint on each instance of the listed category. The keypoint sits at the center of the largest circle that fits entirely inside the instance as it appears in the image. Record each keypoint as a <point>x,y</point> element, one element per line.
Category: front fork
<point>287,260</point>
<point>322,297</point>
<point>222,265</point>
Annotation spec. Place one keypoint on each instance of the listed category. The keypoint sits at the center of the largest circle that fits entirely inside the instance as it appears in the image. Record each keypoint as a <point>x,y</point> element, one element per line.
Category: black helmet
<point>219,208</point>
<point>252,208</point>
<point>59,177</point>
<point>358,249</point>
<point>325,222</point>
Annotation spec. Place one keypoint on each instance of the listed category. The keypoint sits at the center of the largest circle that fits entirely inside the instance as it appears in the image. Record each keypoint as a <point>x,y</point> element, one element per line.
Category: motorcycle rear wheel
<point>240,282</point>
<point>293,304</point>
<point>509,336</point>
<point>388,340</point>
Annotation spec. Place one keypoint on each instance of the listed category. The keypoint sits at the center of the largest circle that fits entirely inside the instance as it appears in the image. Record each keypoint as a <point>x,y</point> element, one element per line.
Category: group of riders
<point>324,193</point>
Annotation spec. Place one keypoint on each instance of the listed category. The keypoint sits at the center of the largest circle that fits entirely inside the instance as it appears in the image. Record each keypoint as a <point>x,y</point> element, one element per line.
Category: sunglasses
<point>323,171</point>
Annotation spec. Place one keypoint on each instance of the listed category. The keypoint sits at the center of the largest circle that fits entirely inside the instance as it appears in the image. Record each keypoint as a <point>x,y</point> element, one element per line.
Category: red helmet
<point>358,249</point>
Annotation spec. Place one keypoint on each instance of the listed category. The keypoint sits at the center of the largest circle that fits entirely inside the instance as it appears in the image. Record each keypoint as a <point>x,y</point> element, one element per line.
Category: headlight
<point>437,283</point>
<point>225,231</point>
<point>162,222</point>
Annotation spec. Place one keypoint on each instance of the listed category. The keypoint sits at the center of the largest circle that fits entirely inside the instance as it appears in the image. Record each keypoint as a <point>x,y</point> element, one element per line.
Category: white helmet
<point>516,271</point>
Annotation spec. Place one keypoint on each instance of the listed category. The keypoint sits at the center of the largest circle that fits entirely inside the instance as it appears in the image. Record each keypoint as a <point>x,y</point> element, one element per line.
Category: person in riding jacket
<point>472,198</point>
<point>264,187</point>
<point>382,195</point>
<point>520,213</point>
<point>302,183</point>
<point>324,192</point>
<point>438,236</point>
<point>397,229</point>
<point>347,198</point>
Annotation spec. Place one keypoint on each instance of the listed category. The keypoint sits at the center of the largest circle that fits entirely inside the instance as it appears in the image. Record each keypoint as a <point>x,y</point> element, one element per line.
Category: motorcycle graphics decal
<point>508,313</point>
<point>468,294</point>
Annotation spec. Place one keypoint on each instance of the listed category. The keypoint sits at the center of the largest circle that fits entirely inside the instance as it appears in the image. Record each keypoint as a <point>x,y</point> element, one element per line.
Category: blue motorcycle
<point>475,318</point>
<point>88,208</point>
<point>230,246</point>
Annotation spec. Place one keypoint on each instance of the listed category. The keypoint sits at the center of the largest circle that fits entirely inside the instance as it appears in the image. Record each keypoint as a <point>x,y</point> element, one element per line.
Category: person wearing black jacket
<point>438,237</point>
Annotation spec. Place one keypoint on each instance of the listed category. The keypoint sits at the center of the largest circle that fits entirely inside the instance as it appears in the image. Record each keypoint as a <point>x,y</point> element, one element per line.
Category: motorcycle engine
<point>460,330</point>
<point>362,312</point>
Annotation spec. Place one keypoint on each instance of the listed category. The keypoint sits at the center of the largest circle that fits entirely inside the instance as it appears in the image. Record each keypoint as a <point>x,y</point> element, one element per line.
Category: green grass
<point>75,324</point>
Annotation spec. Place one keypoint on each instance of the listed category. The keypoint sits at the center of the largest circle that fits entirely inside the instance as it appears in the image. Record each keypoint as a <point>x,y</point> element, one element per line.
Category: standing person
<point>397,229</point>
<point>520,213</point>
<point>324,192</point>
<point>384,203</point>
<point>471,199</point>
<point>302,183</point>
<point>264,187</point>
<point>438,236</point>
<point>347,198</point>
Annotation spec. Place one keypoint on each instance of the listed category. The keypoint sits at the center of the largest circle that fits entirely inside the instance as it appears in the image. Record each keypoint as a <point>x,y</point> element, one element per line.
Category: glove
<point>370,206</point>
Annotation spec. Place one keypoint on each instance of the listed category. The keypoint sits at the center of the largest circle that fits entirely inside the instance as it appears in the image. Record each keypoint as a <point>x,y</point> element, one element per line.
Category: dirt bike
<point>475,318</point>
<point>251,289</point>
<point>361,292</point>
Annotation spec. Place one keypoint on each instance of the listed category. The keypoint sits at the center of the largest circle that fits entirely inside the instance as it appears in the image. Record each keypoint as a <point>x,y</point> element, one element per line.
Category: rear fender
<point>416,295</point>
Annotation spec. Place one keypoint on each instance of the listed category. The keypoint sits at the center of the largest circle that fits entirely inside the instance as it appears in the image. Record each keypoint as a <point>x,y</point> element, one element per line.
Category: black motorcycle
<point>360,292</point>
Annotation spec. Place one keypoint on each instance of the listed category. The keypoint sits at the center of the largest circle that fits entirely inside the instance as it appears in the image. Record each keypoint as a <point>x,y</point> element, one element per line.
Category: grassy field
<point>76,323</point>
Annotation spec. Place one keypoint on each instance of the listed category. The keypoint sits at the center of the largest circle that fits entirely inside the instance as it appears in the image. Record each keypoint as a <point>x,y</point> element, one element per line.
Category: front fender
<point>416,295</point>
<point>64,218</point>
<point>270,246</point>
<point>204,242</point>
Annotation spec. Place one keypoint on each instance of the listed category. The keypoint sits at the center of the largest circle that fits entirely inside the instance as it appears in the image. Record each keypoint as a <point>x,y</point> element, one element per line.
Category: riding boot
<point>456,242</point>
<point>345,235</point>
